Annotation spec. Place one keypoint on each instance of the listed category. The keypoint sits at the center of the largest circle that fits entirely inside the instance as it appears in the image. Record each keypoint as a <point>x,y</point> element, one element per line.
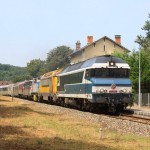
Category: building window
<point>94,44</point>
<point>114,45</point>
<point>104,47</point>
<point>83,53</point>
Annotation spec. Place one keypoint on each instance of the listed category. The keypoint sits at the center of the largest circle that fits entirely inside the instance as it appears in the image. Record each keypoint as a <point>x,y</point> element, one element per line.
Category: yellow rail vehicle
<point>48,86</point>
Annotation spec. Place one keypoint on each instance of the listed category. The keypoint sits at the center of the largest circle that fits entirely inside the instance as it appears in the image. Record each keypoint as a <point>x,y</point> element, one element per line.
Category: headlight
<point>101,90</point>
<point>123,91</point>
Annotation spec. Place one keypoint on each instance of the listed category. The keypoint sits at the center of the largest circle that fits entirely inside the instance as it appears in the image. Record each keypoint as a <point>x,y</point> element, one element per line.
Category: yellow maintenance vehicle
<point>48,86</point>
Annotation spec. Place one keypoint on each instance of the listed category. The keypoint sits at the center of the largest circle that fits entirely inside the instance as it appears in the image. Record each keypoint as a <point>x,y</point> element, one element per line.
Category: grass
<point>23,126</point>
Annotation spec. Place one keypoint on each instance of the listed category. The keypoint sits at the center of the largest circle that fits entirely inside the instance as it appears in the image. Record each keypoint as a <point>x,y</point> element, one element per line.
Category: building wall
<point>101,47</point>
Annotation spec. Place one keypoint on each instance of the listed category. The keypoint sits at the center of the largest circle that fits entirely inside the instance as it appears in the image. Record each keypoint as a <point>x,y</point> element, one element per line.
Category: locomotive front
<point>111,86</point>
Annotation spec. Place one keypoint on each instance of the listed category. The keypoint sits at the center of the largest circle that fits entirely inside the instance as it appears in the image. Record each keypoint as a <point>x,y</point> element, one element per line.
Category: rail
<point>134,118</point>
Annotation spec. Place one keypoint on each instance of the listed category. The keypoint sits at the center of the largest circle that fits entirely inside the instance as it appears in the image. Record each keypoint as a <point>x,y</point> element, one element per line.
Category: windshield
<point>108,73</point>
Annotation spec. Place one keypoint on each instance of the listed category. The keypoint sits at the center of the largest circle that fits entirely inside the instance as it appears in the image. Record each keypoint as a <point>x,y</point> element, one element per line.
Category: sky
<point>29,29</point>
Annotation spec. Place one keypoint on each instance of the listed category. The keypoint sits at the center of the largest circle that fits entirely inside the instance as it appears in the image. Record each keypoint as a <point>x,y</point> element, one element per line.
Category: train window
<point>35,80</point>
<point>70,79</point>
<point>58,81</point>
<point>87,72</point>
<point>109,73</point>
<point>45,82</point>
<point>27,84</point>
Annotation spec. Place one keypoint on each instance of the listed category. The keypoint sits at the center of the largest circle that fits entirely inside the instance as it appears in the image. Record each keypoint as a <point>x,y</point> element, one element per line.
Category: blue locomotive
<point>98,83</point>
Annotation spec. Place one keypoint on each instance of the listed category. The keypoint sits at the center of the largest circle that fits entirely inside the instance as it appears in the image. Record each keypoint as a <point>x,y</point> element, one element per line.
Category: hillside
<point>13,73</point>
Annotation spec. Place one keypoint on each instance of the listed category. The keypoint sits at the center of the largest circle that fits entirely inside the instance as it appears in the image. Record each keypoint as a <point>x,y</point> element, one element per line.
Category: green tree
<point>13,73</point>
<point>36,67</point>
<point>58,57</point>
<point>21,78</point>
<point>133,60</point>
<point>144,41</point>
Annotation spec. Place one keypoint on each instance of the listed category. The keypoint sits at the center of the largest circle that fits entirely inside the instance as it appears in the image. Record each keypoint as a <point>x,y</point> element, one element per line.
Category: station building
<point>102,46</point>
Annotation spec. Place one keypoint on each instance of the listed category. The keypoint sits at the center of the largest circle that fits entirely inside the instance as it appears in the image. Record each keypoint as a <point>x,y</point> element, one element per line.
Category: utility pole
<point>139,100</point>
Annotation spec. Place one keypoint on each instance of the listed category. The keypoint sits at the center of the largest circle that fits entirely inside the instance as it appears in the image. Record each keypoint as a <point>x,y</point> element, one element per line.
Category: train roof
<point>51,74</point>
<point>96,60</point>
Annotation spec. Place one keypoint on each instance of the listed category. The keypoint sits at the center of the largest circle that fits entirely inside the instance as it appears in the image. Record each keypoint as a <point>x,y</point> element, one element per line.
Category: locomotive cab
<point>111,86</point>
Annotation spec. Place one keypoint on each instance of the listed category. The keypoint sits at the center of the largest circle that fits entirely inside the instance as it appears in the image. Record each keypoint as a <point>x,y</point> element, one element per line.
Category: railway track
<point>126,115</point>
<point>134,118</point>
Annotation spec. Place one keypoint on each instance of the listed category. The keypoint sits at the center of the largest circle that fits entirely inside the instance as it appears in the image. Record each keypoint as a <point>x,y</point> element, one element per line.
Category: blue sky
<point>29,29</point>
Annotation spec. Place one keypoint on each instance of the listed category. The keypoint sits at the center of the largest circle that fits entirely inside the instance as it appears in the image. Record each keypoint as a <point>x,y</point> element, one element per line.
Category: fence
<point>145,99</point>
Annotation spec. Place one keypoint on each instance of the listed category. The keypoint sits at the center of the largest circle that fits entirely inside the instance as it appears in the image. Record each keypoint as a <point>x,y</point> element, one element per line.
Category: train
<point>100,83</point>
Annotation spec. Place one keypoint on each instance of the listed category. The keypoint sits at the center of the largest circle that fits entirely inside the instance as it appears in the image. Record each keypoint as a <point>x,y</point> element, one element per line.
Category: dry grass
<point>22,128</point>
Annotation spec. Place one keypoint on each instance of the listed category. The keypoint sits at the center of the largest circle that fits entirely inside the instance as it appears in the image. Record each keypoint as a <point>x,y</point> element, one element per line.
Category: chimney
<point>118,39</point>
<point>78,45</point>
<point>89,39</point>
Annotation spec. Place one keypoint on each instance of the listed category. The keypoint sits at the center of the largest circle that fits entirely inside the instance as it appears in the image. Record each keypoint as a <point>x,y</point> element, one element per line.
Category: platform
<point>143,110</point>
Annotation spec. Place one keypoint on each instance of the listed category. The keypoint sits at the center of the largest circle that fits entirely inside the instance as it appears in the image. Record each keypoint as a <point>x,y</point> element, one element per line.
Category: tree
<point>58,57</point>
<point>36,67</point>
<point>133,60</point>
<point>22,77</point>
<point>13,73</point>
<point>144,42</point>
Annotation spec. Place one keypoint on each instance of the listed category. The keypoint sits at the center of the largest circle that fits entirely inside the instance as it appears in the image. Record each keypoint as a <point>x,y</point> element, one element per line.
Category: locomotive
<point>99,83</point>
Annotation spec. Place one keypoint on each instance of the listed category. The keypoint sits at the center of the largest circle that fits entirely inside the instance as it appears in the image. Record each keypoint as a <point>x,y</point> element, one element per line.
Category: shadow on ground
<point>10,130</point>
<point>24,142</point>
<point>12,112</point>
<point>1,100</point>
<point>18,111</point>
